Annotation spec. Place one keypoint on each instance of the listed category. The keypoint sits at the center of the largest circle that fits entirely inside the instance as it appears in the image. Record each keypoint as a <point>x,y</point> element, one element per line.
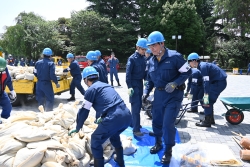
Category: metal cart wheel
<point>234,116</point>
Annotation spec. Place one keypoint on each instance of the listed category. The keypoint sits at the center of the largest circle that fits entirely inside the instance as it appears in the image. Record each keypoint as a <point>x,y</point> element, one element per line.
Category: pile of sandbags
<point>33,139</point>
<point>19,72</point>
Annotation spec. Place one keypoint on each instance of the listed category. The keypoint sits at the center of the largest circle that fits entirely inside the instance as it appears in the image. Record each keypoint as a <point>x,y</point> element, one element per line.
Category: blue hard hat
<point>148,51</point>
<point>88,71</point>
<point>155,37</point>
<point>91,55</point>
<point>193,56</point>
<point>142,42</point>
<point>70,55</point>
<point>47,52</point>
<point>98,53</point>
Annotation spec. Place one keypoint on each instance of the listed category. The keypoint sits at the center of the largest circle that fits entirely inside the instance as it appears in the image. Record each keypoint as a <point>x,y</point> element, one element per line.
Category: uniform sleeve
<point>52,73</point>
<point>9,81</point>
<point>35,71</point>
<point>184,70</point>
<point>83,112</point>
<point>129,68</point>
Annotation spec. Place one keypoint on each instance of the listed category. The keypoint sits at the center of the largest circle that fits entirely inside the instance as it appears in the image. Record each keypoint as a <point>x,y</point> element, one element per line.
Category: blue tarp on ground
<point>142,157</point>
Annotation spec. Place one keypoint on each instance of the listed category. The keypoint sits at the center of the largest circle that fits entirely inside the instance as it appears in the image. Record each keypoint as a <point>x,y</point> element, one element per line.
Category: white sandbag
<point>10,128</point>
<point>7,160</point>
<point>90,120</point>
<point>47,116</point>
<point>107,153</point>
<point>51,164</point>
<point>58,129</point>
<point>72,108</point>
<point>29,76</point>
<point>29,157</point>
<point>77,147</point>
<point>33,134</point>
<point>49,143</point>
<point>49,156</point>
<point>128,147</point>
<point>64,119</point>
<point>9,144</point>
<point>85,161</point>
<point>20,76</point>
<point>23,115</point>
<point>30,70</point>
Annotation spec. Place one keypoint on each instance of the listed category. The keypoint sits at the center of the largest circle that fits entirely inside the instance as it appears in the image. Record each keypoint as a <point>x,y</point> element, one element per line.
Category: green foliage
<point>186,23</point>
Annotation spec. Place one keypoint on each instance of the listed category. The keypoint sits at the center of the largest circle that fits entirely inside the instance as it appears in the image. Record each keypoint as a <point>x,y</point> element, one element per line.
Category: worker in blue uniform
<point>75,72</point>
<point>92,61</point>
<point>195,90</point>
<point>5,79</point>
<point>22,62</point>
<point>214,82</point>
<point>167,73</point>
<point>135,73</point>
<point>112,116</point>
<point>45,73</point>
<point>112,63</point>
<point>101,61</point>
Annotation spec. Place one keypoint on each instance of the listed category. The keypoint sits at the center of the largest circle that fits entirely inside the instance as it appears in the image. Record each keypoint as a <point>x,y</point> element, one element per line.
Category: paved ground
<point>238,86</point>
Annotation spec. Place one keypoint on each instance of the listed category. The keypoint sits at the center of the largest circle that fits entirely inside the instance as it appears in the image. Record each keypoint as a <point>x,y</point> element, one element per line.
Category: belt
<point>160,88</point>
<point>180,87</point>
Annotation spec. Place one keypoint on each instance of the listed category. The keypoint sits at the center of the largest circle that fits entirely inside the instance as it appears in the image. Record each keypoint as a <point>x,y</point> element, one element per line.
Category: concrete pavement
<point>238,86</point>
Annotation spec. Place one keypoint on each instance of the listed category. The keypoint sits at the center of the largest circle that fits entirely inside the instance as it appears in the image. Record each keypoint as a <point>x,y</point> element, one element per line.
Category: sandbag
<point>33,134</point>
<point>51,164</point>
<point>29,76</point>
<point>23,115</point>
<point>9,128</point>
<point>49,143</point>
<point>29,157</point>
<point>128,147</point>
<point>9,144</point>
<point>7,160</point>
<point>85,161</point>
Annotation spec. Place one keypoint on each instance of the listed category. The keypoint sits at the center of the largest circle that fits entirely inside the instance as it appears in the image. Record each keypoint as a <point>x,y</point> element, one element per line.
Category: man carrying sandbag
<point>112,116</point>
<point>5,79</point>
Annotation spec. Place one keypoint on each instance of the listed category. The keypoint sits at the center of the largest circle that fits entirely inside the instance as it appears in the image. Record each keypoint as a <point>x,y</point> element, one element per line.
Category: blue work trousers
<point>215,89</point>
<point>116,121</point>
<point>198,93</point>
<point>166,107</point>
<point>136,104</point>
<point>113,72</point>
<point>76,83</point>
<point>6,105</point>
<point>45,94</point>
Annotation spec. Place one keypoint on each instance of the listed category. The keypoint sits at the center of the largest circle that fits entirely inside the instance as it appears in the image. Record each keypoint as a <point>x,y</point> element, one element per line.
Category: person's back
<point>101,70</point>
<point>45,70</point>
<point>75,69</point>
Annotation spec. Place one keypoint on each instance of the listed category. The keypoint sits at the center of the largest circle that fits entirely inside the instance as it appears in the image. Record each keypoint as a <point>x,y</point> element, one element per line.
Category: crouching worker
<point>112,116</point>
<point>5,79</point>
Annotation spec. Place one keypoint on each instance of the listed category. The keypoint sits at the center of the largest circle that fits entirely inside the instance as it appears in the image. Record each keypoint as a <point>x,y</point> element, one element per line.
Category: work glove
<point>73,131</point>
<point>130,92</point>
<point>57,85</point>
<point>144,98</point>
<point>189,96</point>
<point>145,83</point>
<point>206,100</point>
<point>98,120</point>
<point>186,94</point>
<point>170,87</point>
<point>13,94</point>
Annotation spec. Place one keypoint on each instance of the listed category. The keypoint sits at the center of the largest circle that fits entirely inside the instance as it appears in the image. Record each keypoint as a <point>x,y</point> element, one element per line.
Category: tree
<point>186,23</point>
<point>124,16</point>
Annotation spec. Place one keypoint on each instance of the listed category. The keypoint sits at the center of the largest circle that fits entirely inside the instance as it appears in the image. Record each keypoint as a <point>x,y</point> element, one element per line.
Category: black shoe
<point>138,134</point>
<point>71,98</point>
<point>205,123</point>
<point>167,157</point>
<point>151,133</point>
<point>157,147</point>
<point>192,111</point>
<point>119,84</point>
<point>118,156</point>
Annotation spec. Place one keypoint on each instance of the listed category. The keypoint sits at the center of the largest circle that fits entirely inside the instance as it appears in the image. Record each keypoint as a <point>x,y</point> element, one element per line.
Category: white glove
<point>189,96</point>
<point>57,85</point>
<point>130,92</point>
<point>13,94</point>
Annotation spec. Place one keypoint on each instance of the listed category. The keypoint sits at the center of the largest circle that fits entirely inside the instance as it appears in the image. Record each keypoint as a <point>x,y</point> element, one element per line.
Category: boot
<point>151,133</point>
<point>118,157</point>
<point>99,162</point>
<point>167,156</point>
<point>72,98</point>
<point>157,147</point>
<point>112,83</point>
<point>118,83</point>
<point>206,122</point>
